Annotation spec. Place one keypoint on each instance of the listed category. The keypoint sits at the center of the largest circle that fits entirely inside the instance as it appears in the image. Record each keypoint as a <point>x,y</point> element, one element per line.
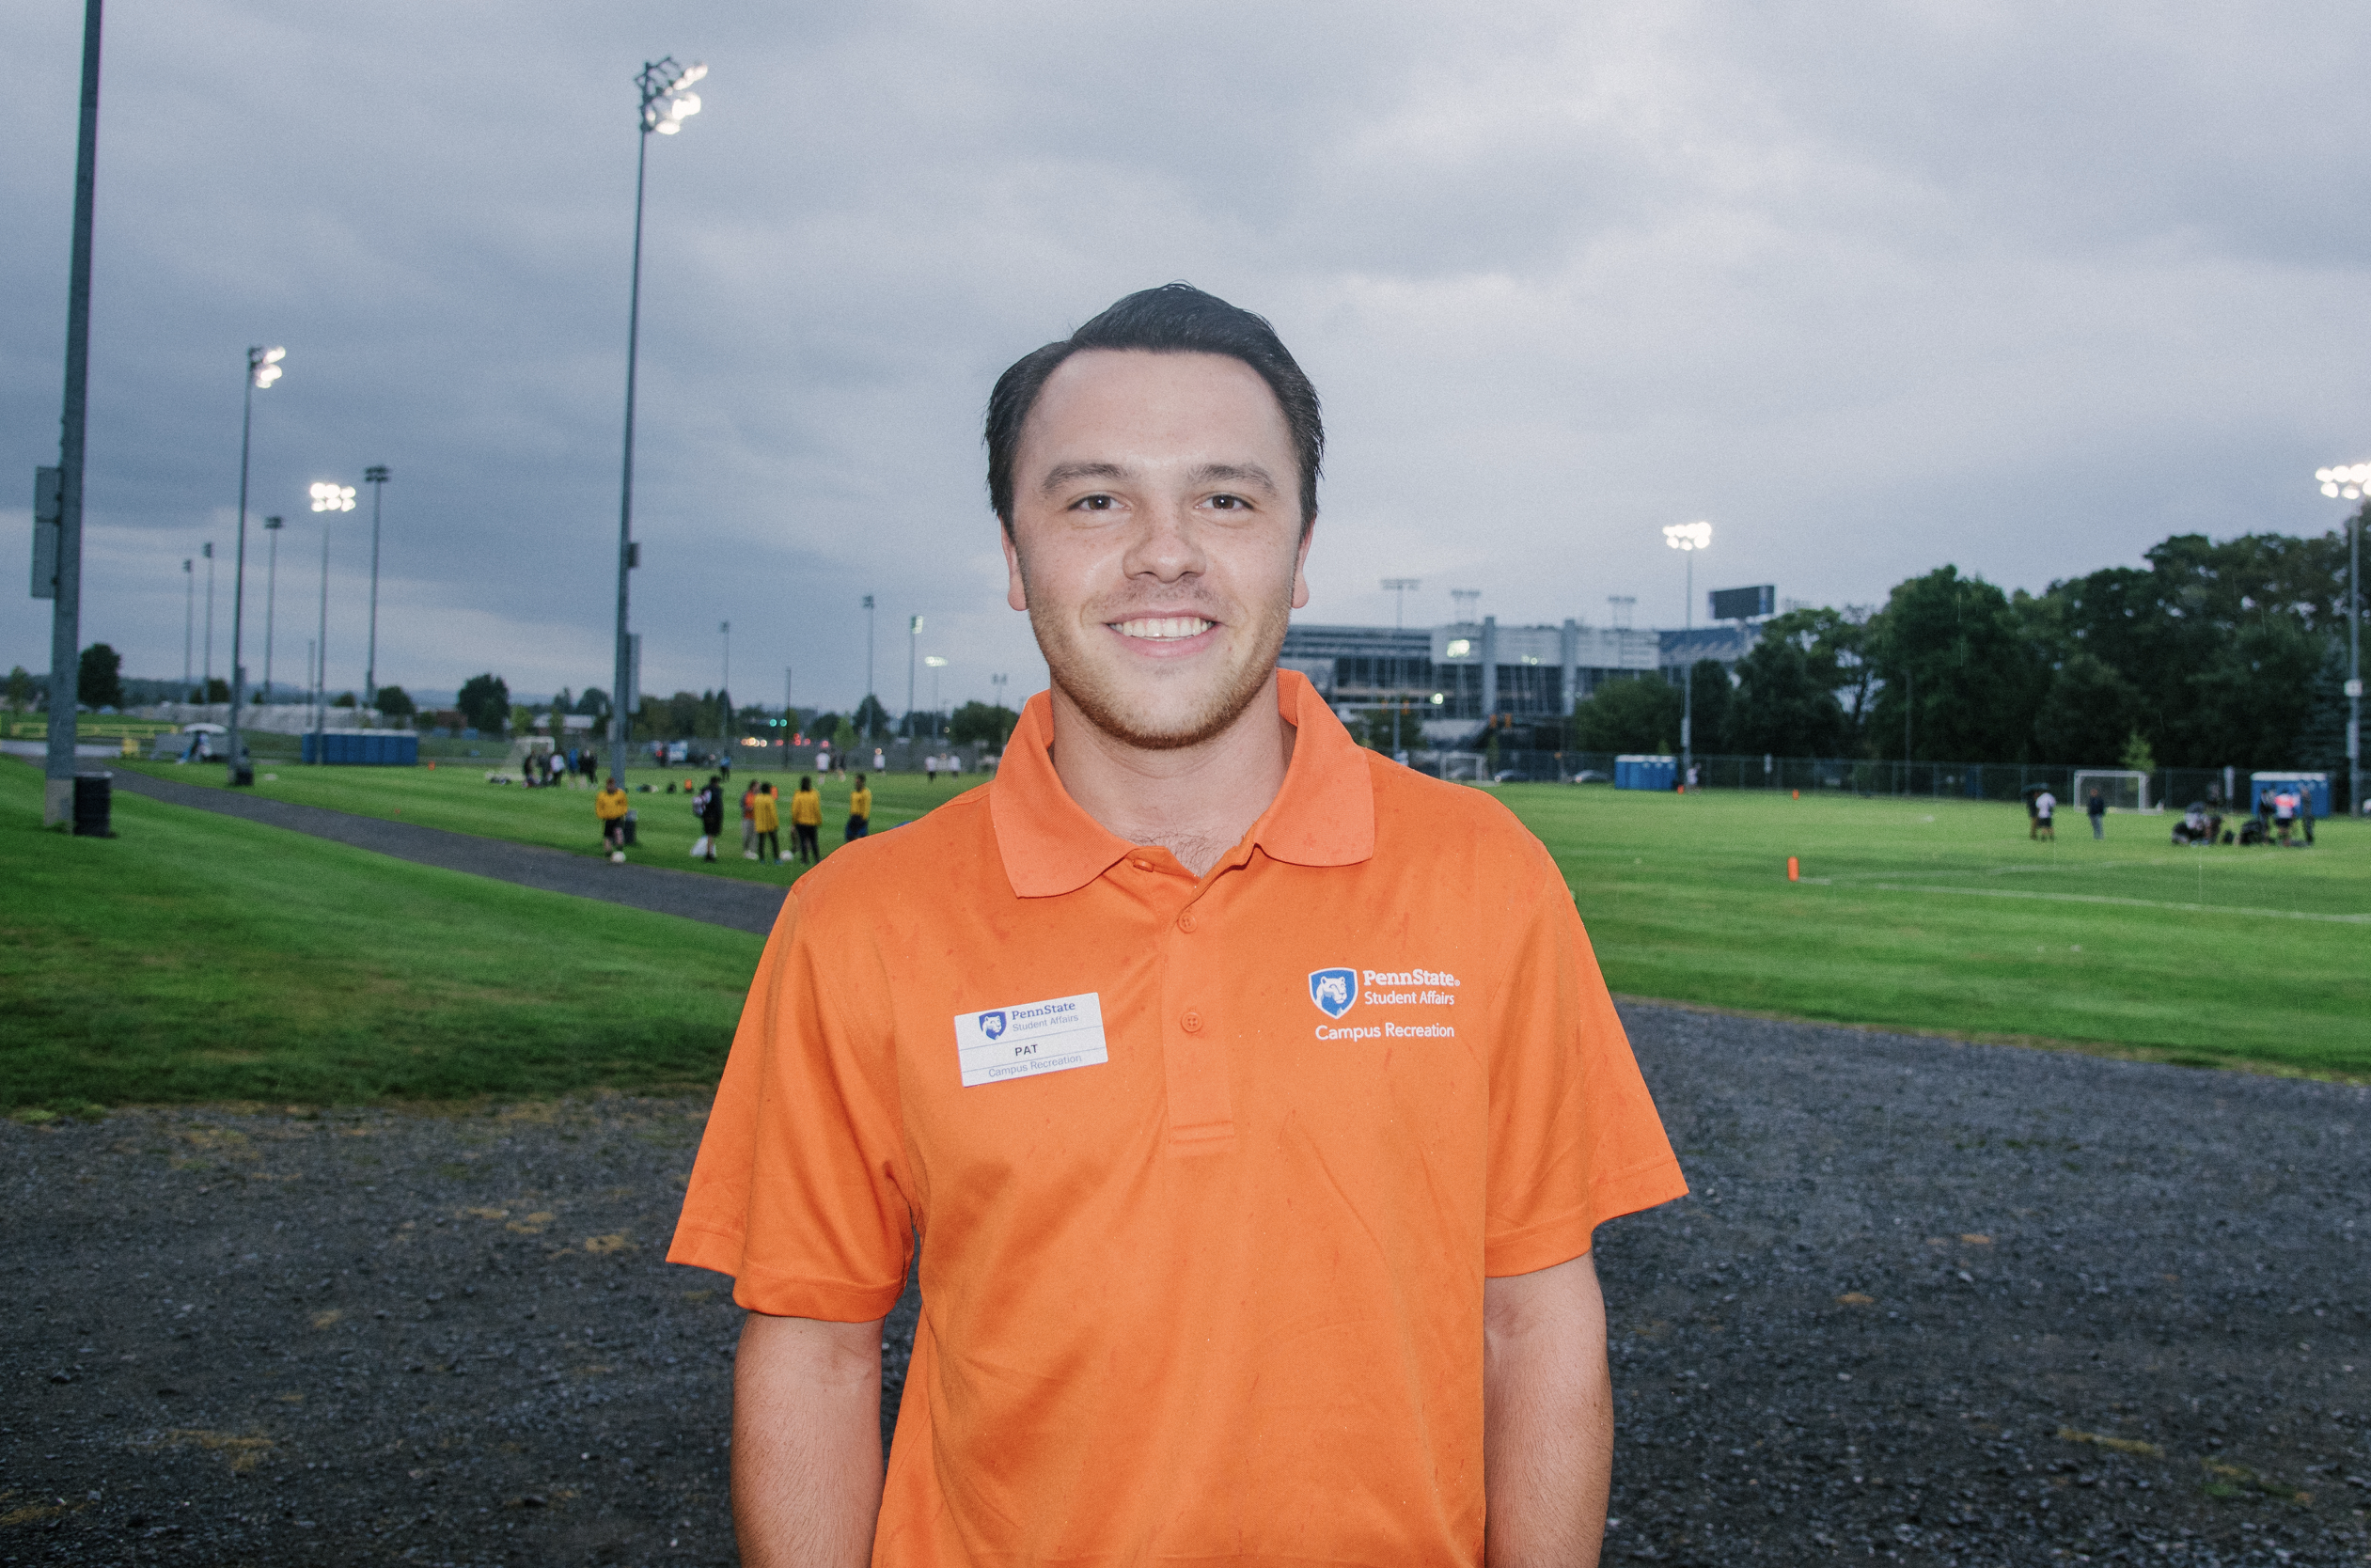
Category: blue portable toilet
<point>2314,787</point>
<point>1645,772</point>
<point>368,748</point>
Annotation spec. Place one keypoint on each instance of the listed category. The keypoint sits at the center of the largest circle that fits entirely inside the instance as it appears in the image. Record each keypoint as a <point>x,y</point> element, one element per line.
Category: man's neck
<point>1197,802</point>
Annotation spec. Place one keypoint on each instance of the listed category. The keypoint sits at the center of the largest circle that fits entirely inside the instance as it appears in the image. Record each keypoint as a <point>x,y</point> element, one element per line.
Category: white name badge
<point>1030,1038</point>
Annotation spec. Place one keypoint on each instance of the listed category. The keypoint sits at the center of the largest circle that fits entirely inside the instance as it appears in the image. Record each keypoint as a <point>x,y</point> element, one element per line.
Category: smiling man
<point>1255,1099</point>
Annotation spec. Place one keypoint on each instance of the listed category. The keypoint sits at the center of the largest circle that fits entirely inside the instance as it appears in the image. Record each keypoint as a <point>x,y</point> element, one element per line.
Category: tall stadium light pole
<point>327,497</point>
<point>66,601</point>
<point>1687,538</point>
<point>271,598</point>
<point>936,664</point>
<point>913,640</point>
<point>1402,587</point>
<point>206,670</point>
<point>189,626</point>
<point>376,477</point>
<point>2353,483</point>
<point>868,647</point>
<point>667,102</point>
<point>724,687</point>
<point>264,368</point>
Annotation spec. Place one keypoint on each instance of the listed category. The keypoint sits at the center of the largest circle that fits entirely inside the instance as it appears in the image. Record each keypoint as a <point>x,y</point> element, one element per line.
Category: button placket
<point>1200,1097</point>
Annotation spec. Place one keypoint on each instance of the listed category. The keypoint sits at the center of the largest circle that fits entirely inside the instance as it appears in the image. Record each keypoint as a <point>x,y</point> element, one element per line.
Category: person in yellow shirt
<point>610,807</point>
<point>767,818</point>
<point>807,815</point>
<point>859,810</point>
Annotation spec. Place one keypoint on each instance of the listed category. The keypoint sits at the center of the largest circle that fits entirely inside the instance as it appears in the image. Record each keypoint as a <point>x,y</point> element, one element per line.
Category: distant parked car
<point>1591,775</point>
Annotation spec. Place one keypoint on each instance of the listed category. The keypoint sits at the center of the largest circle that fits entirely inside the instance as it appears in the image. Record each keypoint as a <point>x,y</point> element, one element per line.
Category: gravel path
<point>717,900</point>
<point>1931,1304</point>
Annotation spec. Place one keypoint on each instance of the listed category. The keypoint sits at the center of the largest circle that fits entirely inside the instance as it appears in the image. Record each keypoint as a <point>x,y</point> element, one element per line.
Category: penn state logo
<point>992,1024</point>
<point>1333,990</point>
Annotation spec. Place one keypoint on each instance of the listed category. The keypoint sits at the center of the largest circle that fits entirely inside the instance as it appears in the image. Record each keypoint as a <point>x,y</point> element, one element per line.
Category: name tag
<point>1030,1038</point>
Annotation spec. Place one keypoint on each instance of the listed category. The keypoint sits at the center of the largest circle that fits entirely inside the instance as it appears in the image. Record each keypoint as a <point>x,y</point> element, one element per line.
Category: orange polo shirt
<point>1208,1172</point>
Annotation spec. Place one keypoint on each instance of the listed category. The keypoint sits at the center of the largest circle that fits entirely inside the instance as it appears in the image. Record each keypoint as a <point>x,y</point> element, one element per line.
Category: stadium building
<point>1453,681</point>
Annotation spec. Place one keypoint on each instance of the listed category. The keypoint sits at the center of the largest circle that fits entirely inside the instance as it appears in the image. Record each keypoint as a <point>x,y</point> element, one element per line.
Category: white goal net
<point>2123,791</point>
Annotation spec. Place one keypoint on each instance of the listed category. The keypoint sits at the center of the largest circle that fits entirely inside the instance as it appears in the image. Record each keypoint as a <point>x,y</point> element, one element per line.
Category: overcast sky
<point>1873,287</point>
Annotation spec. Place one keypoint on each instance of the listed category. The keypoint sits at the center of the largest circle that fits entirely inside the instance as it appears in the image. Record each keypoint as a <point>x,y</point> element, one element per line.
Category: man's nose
<point>1168,545</point>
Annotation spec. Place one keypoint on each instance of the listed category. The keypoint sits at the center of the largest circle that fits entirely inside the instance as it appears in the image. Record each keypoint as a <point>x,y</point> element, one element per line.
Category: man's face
<point>1156,539</point>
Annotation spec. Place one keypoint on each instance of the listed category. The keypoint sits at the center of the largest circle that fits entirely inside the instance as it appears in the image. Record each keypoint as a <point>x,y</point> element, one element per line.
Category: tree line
<point>2213,654</point>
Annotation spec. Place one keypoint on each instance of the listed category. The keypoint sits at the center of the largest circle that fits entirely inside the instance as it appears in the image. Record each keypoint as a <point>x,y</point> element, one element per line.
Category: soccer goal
<point>2123,791</point>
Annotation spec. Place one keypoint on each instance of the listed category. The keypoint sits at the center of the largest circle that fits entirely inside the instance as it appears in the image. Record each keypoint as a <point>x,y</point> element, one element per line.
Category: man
<point>749,822</point>
<point>766,816</point>
<point>859,810</point>
<point>807,820</point>
<point>710,806</point>
<point>1255,1154</point>
<point>2045,805</point>
<point>2096,809</point>
<point>610,807</point>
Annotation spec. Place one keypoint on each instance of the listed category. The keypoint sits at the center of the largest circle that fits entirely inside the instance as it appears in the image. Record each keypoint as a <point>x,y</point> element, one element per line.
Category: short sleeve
<point>1575,1139</point>
<point>794,1193</point>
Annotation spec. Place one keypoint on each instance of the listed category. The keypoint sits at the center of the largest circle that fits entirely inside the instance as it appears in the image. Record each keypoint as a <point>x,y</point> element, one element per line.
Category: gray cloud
<point>2021,286</point>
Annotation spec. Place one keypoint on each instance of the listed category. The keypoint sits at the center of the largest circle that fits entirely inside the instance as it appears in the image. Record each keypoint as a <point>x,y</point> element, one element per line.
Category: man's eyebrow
<point>1251,473</point>
<point>1065,473</point>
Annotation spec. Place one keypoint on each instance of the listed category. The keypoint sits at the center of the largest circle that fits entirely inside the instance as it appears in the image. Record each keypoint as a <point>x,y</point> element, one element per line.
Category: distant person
<point>710,803</point>
<point>768,817</point>
<point>930,769</point>
<point>2044,807</point>
<point>2285,813</point>
<point>859,810</point>
<point>609,809</point>
<point>749,822</point>
<point>880,760</point>
<point>823,761</point>
<point>806,819</point>
<point>2097,809</point>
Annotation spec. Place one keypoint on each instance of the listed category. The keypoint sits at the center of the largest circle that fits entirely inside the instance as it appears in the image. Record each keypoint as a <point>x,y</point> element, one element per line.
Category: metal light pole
<point>1400,586</point>
<point>66,606</point>
<point>376,477</point>
<point>665,104</point>
<point>264,368</point>
<point>936,663</point>
<point>724,688</point>
<point>271,598</point>
<point>206,692</point>
<point>1687,538</point>
<point>2353,483</point>
<point>913,640</point>
<point>329,499</point>
<point>868,645</point>
<point>189,626</point>
<point>996,686</point>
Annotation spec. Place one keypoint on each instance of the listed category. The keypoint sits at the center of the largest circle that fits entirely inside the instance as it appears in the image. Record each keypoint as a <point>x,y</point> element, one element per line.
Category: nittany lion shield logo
<point>992,1024</point>
<point>1333,990</point>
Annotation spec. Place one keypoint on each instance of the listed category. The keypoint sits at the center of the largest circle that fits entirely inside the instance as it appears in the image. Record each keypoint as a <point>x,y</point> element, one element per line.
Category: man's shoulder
<point>1445,817</point>
<point>882,871</point>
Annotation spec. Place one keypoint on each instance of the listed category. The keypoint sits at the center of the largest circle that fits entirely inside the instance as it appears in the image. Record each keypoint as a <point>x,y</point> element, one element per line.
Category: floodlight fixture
<point>2350,482</point>
<point>1688,536</point>
<point>333,498</point>
<point>263,364</point>
<point>666,99</point>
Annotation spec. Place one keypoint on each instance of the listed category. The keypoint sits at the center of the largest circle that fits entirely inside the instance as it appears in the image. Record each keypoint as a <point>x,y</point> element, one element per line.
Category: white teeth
<point>1166,627</point>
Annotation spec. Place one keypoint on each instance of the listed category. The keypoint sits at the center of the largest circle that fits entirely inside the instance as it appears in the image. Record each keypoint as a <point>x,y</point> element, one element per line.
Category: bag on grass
<point>700,848</point>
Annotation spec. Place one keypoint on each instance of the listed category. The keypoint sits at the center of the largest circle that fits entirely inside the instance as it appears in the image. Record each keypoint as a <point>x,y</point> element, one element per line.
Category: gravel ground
<point>1931,1304</point>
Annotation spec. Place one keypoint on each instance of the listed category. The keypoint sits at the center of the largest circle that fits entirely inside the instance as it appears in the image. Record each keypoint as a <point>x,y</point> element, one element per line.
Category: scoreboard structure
<point>1745,604</point>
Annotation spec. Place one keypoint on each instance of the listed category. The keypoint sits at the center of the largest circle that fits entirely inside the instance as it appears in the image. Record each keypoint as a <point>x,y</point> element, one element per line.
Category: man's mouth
<point>1172,628</point>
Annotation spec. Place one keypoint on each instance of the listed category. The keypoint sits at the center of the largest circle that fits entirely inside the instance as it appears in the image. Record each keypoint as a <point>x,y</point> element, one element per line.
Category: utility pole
<point>271,600</point>
<point>65,606</point>
<point>264,368</point>
<point>206,692</point>
<point>724,690</point>
<point>189,627</point>
<point>913,641</point>
<point>867,648</point>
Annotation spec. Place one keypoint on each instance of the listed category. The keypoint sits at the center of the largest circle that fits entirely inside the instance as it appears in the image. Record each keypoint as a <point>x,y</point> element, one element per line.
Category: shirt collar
<point>1323,816</point>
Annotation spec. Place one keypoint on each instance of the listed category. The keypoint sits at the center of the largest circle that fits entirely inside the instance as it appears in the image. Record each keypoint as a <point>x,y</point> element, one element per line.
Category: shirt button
<point>1186,921</point>
<point>1193,1022</point>
<point>1142,864</point>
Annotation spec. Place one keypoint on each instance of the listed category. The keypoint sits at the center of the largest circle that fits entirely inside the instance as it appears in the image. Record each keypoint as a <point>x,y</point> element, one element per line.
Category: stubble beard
<point>1100,700</point>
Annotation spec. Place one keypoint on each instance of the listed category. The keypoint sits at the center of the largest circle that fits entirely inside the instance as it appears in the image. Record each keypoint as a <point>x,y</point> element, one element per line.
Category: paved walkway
<point>718,901</point>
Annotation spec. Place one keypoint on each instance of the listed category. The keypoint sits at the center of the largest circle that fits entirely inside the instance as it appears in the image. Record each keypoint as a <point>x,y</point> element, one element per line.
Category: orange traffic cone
<point>1793,869</point>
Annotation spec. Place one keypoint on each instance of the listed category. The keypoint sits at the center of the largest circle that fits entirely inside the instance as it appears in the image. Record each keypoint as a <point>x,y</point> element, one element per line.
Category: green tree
<point>100,682</point>
<point>1956,659</point>
<point>1786,703</point>
<point>821,727</point>
<point>1713,699</point>
<point>19,689</point>
<point>596,702</point>
<point>844,737</point>
<point>2321,741</point>
<point>396,702</point>
<point>1638,715</point>
<point>2089,710</point>
<point>344,699</point>
<point>484,701</point>
<point>981,722</point>
<point>218,689</point>
<point>871,718</point>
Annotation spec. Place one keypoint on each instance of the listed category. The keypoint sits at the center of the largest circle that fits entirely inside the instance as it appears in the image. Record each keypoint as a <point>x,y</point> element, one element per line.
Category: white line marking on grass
<point>2101,898</point>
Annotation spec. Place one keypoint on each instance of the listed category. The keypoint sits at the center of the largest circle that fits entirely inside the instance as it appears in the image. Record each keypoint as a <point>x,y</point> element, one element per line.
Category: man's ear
<point>1300,560</point>
<point>1016,592</point>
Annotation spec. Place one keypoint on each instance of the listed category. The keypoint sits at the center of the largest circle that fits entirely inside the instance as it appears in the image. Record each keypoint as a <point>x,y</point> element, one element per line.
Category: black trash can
<point>627,823</point>
<point>94,804</point>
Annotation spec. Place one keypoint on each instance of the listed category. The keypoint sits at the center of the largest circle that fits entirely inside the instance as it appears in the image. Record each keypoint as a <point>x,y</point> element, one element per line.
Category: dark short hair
<point>1176,318</point>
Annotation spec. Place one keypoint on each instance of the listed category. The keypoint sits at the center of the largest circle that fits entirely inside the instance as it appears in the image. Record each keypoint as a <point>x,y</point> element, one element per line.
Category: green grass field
<point>456,796</point>
<point>1942,915</point>
<point>197,957</point>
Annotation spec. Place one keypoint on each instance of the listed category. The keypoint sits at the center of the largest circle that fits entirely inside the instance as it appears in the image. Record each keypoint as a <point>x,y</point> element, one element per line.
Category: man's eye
<point>1093,503</point>
<point>1230,503</point>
